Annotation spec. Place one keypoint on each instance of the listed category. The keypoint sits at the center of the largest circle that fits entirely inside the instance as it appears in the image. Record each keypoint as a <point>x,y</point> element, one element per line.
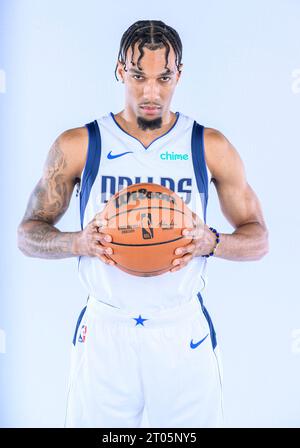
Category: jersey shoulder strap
<point>91,166</point>
<point>199,163</point>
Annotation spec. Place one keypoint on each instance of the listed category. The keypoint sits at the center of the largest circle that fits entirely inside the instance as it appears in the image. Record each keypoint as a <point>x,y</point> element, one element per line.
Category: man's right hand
<point>89,241</point>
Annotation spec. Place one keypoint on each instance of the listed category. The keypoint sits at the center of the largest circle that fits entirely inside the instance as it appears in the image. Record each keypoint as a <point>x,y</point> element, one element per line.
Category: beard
<point>144,124</point>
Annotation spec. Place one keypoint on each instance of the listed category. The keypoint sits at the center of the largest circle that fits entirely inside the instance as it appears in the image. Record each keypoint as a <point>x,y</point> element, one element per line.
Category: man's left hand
<point>203,242</point>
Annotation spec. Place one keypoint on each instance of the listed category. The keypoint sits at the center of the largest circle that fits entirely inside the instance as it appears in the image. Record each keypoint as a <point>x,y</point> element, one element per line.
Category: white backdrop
<point>241,76</point>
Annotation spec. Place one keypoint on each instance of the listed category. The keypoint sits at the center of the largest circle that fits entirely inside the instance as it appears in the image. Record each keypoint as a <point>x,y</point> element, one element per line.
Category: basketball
<point>145,221</point>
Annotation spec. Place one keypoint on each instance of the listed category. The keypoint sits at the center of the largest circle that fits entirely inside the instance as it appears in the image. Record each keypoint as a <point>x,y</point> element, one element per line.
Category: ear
<point>179,72</point>
<point>120,71</point>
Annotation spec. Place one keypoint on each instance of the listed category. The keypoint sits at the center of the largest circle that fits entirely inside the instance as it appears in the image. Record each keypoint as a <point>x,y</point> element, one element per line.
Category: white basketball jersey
<point>116,159</point>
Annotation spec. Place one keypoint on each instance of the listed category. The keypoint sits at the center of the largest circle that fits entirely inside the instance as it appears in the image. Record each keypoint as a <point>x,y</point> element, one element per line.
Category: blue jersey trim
<point>199,164</point>
<point>213,336</point>
<point>91,167</point>
<point>146,147</point>
<point>78,323</point>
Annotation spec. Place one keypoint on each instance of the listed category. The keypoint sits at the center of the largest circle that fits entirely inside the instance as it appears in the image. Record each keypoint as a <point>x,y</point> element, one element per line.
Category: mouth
<point>150,109</point>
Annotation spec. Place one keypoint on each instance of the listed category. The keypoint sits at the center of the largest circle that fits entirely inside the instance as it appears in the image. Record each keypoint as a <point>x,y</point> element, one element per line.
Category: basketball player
<point>144,342</point>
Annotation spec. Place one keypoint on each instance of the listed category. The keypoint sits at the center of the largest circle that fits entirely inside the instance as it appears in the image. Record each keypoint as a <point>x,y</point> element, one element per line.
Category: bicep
<point>51,196</point>
<point>238,201</point>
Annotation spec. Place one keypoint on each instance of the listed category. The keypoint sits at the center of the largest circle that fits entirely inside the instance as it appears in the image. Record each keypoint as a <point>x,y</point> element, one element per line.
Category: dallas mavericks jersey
<point>116,159</point>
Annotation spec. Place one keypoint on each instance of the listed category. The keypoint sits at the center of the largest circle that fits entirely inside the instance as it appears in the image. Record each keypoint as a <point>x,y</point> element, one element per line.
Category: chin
<point>151,123</point>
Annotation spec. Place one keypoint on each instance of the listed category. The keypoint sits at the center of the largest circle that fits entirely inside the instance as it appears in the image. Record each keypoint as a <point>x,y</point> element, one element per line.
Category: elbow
<point>21,239</point>
<point>265,244</point>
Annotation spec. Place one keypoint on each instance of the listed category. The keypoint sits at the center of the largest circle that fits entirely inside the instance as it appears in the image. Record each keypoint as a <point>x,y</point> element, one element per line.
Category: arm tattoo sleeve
<point>37,236</point>
<point>51,196</point>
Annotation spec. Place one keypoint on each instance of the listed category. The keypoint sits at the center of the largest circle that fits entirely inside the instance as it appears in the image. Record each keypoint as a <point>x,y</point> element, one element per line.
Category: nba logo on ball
<point>82,334</point>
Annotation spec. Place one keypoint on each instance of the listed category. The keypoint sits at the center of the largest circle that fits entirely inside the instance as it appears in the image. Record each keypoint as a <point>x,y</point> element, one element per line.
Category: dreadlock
<point>152,34</point>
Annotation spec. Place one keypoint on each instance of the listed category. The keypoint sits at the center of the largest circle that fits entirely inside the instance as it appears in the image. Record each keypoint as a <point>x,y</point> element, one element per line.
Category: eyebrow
<point>139,72</point>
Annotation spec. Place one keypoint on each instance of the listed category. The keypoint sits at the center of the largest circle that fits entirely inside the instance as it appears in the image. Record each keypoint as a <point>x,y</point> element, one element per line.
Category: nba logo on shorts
<point>82,334</point>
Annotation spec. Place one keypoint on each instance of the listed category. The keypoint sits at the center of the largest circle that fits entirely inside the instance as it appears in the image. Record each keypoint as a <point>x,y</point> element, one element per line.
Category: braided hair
<point>152,34</point>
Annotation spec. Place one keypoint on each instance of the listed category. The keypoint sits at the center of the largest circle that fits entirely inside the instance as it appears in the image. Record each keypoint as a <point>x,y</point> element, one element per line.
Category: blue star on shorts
<point>139,320</point>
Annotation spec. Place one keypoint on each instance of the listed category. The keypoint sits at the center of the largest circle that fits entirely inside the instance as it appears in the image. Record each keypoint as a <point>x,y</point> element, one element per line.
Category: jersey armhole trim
<point>91,167</point>
<point>199,163</point>
<point>209,175</point>
<point>91,153</point>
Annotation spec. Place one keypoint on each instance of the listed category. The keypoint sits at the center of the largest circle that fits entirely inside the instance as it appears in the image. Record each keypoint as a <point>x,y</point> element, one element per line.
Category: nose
<point>151,90</point>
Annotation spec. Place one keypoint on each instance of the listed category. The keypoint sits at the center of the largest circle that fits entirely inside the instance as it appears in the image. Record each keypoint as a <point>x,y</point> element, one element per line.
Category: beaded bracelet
<point>217,242</point>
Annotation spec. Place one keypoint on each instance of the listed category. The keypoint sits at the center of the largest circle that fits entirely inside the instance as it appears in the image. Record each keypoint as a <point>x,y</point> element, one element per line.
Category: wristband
<point>216,245</point>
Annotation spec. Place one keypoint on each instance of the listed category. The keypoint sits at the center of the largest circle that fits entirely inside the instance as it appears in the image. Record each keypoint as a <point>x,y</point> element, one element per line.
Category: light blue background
<point>241,76</point>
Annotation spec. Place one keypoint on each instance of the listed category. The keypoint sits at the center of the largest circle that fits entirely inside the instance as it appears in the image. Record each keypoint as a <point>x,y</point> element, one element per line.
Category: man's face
<point>153,86</point>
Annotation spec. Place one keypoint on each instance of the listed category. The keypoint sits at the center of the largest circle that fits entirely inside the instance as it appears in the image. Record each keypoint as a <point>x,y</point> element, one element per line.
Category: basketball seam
<point>146,208</point>
<point>145,272</point>
<point>150,244</point>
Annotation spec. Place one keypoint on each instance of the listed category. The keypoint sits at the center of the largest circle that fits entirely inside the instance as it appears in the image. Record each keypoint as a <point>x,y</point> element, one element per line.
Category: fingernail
<point>178,251</point>
<point>107,238</point>
<point>108,250</point>
<point>175,262</point>
<point>111,262</point>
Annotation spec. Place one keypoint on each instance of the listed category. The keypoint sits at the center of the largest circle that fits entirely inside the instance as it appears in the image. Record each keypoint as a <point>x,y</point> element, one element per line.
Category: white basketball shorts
<point>167,362</point>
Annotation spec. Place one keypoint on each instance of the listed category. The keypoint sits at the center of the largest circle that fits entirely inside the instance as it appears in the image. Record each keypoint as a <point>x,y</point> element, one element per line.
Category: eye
<point>168,77</point>
<point>137,76</point>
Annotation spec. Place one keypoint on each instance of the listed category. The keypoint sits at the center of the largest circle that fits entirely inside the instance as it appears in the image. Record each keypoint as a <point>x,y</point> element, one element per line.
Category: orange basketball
<point>145,221</point>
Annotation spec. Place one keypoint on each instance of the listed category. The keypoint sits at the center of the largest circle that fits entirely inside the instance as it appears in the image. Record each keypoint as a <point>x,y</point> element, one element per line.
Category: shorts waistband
<point>144,319</point>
